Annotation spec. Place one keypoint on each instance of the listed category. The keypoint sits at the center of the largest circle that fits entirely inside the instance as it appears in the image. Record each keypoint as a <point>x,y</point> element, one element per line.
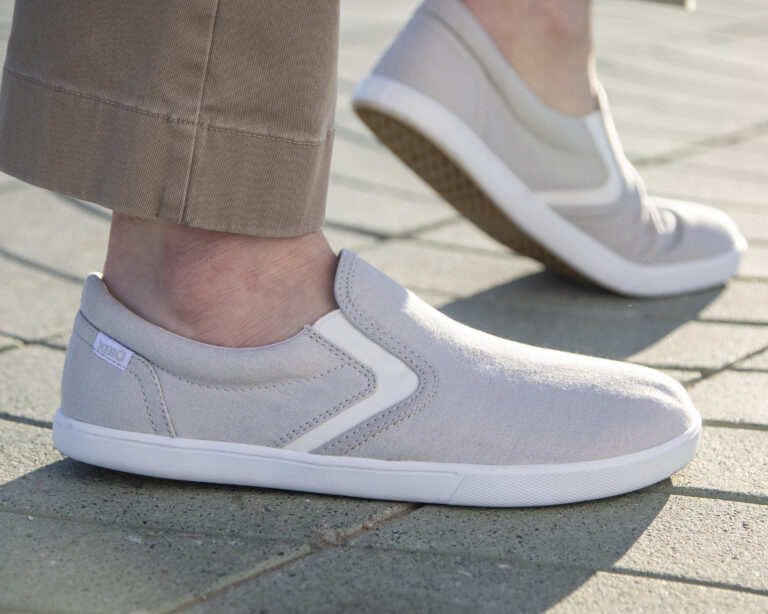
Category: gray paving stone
<point>355,63</point>
<point>370,210</point>
<point>734,396</point>
<point>35,304</point>
<point>625,92</point>
<point>738,170</point>
<point>558,295</point>
<point>643,145</point>
<point>358,15</point>
<point>37,481</point>
<point>667,77</point>
<point>463,233</point>
<point>728,460</point>
<point>743,300</point>
<point>351,130</point>
<point>23,449</point>
<point>704,345</point>
<point>419,582</point>
<point>547,311</point>
<point>707,61</point>
<point>702,539</point>
<point>54,565</point>
<point>365,581</point>
<point>645,121</point>
<point>395,9</point>
<point>378,167</point>
<point>708,540</point>
<point>673,181</point>
<point>30,382</point>
<point>7,183</point>
<point>627,13</point>
<point>50,232</point>
<point>743,9</point>
<point>749,47</point>
<point>610,593</point>
<point>758,145</point>
<point>362,24</point>
<point>754,263</point>
<point>753,224</point>
<point>339,238</point>
<point>57,341</point>
<point>607,29</point>
<point>426,267</point>
<point>734,161</point>
<point>745,29</point>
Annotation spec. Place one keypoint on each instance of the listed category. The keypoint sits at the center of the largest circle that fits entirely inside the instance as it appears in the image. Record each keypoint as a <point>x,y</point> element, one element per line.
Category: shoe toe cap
<point>654,410</point>
<point>702,231</point>
<point>611,409</point>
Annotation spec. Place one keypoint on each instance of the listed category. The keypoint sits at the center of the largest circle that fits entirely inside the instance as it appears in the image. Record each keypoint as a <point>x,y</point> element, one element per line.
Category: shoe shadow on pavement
<point>86,539</point>
<point>551,311</point>
<point>80,538</point>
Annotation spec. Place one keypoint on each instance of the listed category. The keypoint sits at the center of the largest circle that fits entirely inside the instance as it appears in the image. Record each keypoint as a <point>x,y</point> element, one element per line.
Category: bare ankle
<point>219,288</point>
<point>549,44</point>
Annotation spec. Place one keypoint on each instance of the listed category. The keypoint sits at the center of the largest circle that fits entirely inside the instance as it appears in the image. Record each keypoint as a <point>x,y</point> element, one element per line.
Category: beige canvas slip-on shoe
<point>549,185</point>
<point>383,398</point>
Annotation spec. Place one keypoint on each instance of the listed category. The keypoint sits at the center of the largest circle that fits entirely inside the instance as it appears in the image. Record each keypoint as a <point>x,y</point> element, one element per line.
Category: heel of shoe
<point>428,57</point>
<point>107,384</point>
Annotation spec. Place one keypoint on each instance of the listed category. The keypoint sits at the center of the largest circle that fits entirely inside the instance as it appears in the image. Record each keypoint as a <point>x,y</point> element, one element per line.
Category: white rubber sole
<point>446,483</point>
<point>527,210</point>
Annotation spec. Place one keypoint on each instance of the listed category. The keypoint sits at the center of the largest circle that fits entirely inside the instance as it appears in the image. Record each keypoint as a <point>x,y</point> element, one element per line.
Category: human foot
<point>219,288</point>
<point>554,186</point>
<point>384,398</point>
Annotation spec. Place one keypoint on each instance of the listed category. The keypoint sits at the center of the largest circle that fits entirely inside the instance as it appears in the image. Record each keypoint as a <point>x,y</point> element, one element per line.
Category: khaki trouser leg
<point>213,113</point>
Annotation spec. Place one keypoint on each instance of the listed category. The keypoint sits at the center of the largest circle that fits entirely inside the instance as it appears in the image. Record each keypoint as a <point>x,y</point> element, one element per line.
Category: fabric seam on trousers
<point>133,109</point>
<point>195,134</point>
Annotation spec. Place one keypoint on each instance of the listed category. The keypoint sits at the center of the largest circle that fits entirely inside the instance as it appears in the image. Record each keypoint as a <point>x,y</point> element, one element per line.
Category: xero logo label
<point>110,350</point>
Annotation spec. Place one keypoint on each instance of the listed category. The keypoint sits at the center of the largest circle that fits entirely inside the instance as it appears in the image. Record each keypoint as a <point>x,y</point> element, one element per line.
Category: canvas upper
<point>460,395</point>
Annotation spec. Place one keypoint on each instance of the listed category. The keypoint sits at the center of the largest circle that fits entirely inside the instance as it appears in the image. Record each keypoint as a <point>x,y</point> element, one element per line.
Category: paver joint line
<point>707,493</point>
<point>706,144</point>
<point>635,573</point>
<point>266,567</point>
<point>43,341</point>
<point>683,580</point>
<point>45,424</point>
<point>709,373</point>
<point>729,424</point>
<point>42,268</point>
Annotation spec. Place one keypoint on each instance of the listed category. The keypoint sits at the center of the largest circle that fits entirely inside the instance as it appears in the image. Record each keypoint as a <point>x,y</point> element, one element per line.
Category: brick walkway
<point>690,97</point>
